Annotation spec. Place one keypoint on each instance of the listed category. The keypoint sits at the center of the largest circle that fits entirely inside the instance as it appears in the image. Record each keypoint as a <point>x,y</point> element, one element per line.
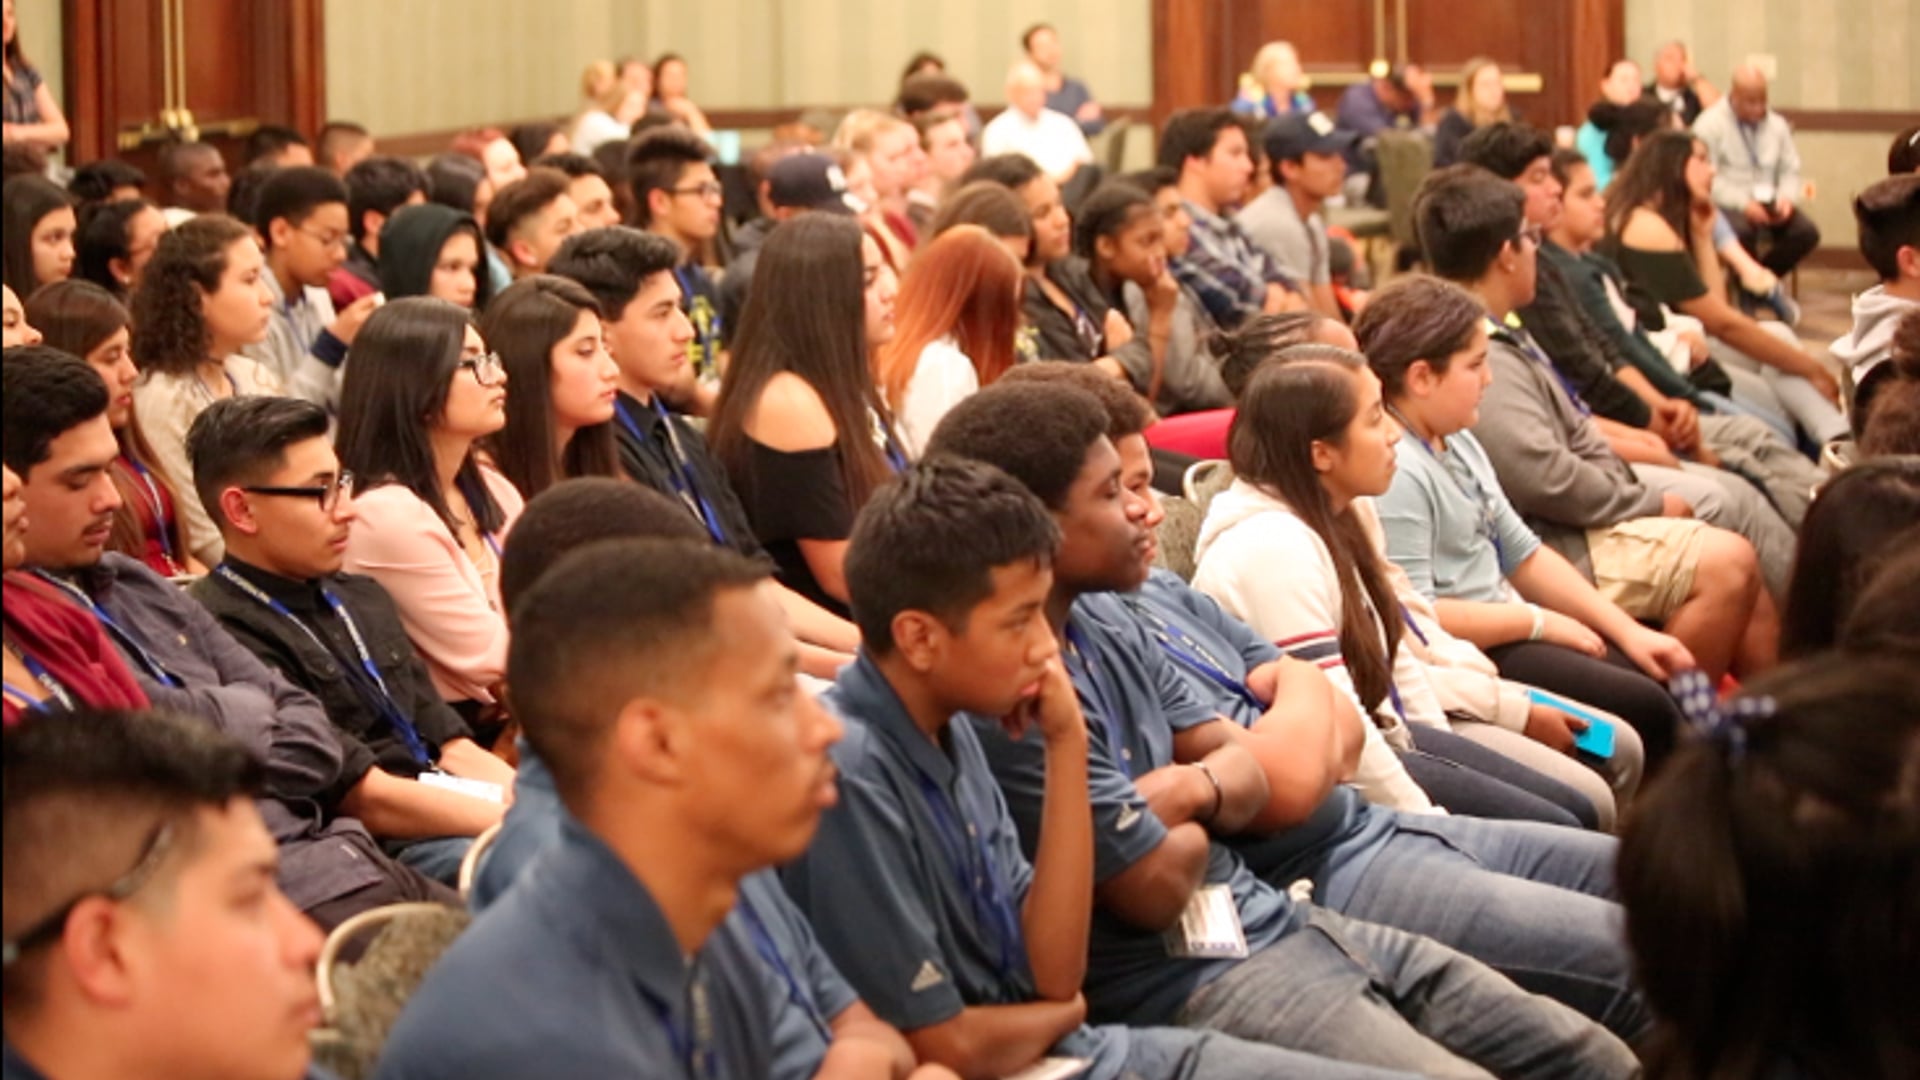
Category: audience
<point>956,321</point>
<point>587,184</point>
<point>410,769</point>
<point>430,512</point>
<point>377,187</point>
<point>114,242</point>
<point>1757,173</point>
<point>530,218</point>
<point>1306,154</point>
<point>548,335</point>
<point>277,145</point>
<point>201,301</point>
<point>679,196</point>
<point>1275,85</point>
<point>302,214</point>
<point>342,145</point>
<point>797,183</point>
<point>437,251</point>
<point>891,149</point>
<point>1029,126</point>
<point>1679,85</point>
<point>1481,100</point>
<point>1888,217</point>
<point>193,180</point>
<point>39,233</point>
<point>1863,519</point>
<point>83,320</point>
<point>1232,275</point>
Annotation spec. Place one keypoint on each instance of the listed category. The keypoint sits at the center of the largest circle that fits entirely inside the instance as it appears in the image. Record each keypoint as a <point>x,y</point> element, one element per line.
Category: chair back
<point>369,967</point>
<point>1405,159</point>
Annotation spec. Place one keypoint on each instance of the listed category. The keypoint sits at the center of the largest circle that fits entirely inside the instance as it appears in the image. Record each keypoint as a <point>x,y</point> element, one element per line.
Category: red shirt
<point>70,644</point>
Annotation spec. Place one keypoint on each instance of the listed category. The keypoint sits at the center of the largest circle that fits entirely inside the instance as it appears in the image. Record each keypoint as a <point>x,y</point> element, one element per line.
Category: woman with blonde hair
<point>1481,100</point>
<point>1274,84</point>
<point>891,148</point>
<point>612,105</point>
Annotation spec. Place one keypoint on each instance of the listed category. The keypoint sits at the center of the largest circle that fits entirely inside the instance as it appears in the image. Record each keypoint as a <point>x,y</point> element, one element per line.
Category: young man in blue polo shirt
<point>656,681</point>
<point>1184,931</point>
<point>917,883</point>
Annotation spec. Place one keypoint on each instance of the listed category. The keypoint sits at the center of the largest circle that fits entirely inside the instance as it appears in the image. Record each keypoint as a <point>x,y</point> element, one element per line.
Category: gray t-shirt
<point>1298,245</point>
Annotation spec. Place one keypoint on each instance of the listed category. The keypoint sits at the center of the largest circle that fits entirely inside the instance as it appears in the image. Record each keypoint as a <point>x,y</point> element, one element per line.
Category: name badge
<point>1210,927</point>
<point>478,789</point>
<point>1051,1068</point>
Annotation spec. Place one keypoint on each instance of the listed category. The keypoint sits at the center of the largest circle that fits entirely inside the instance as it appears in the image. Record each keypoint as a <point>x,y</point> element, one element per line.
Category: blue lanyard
<point>56,693</point>
<point>883,434</point>
<point>1077,650</point>
<point>692,1043</point>
<point>763,943</point>
<point>469,491</point>
<point>159,508</point>
<point>991,905</point>
<point>1407,617</point>
<point>1525,342</point>
<point>679,470</point>
<point>121,635</point>
<point>1185,649</point>
<point>381,699</point>
<point>1477,495</point>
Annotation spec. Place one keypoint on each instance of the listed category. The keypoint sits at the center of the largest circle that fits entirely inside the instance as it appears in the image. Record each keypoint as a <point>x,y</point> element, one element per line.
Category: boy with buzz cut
<point>916,882</point>
<point>1183,931</point>
<point>530,218</point>
<point>301,215</point>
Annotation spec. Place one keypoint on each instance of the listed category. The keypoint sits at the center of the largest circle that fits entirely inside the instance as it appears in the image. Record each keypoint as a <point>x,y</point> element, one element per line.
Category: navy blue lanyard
<point>763,943</point>
<point>991,905</point>
<point>679,469</point>
<point>1185,649</point>
<point>883,433</point>
<point>159,508</point>
<point>1102,702</point>
<point>692,1042</point>
<point>1477,495</point>
<point>121,635</point>
<point>476,494</point>
<point>381,698</point>
<point>56,693</point>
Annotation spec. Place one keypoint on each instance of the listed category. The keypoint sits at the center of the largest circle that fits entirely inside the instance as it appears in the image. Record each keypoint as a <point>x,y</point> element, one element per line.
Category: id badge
<point>1210,927</point>
<point>478,789</point>
<point>1051,1068</point>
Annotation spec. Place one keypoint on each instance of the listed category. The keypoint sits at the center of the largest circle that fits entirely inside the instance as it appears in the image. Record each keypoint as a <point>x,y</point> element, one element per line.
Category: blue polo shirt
<point>803,989</point>
<point>576,972</point>
<point>1213,651</point>
<point>916,880</point>
<point>1134,700</point>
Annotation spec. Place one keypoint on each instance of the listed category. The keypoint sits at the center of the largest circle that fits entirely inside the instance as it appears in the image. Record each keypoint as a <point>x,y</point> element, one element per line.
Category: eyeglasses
<point>328,240</point>
<point>488,369</point>
<point>327,494</point>
<point>49,929</point>
<point>1530,234</point>
<point>708,190</point>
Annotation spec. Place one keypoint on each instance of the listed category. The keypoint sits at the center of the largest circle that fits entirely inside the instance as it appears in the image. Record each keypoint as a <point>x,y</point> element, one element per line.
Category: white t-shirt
<point>942,378</point>
<point>1054,141</point>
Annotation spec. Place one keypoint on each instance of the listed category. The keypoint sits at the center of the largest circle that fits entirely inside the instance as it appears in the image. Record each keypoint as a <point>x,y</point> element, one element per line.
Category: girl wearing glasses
<point>421,390</point>
<point>565,385</point>
<point>201,299</point>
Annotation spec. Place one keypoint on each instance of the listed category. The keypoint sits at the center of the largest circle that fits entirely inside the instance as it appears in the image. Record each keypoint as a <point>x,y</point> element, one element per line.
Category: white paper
<point>479,789</point>
<point>1209,928</point>
<point>1052,1068</point>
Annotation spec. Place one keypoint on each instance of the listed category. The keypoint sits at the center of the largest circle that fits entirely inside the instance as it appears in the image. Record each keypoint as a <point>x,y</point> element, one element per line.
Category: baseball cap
<point>808,182</point>
<point>1293,135</point>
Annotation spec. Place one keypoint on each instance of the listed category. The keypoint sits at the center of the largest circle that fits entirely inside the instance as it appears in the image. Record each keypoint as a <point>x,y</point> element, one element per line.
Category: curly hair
<point>169,333</point>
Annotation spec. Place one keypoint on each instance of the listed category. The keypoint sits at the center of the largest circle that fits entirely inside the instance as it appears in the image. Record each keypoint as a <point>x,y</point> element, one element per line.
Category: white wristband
<point>1539,623</point>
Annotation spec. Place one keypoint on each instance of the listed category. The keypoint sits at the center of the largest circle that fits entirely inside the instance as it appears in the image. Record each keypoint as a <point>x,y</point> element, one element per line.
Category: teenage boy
<point>144,934</point>
<point>631,273</point>
<point>1644,550</point>
<point>301,214</point>
<point>587,184</point>
<point>1183,931</point>
<point>193,180</point>
<point>1233,276</point>
<point>342,145</point>
<point>677,195</point>
<point>917,882</point>
<point>59,442</point>
<point>266,472</point>
<point>530,218</point>
<point>376,187</point>
<point>279,146</point>
<point>1888,216</point>
<point>655,679</point>
<point>1307,154</point>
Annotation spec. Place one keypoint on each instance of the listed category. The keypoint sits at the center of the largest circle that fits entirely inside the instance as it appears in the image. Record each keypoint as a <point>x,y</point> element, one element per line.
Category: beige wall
<point>40,40</point>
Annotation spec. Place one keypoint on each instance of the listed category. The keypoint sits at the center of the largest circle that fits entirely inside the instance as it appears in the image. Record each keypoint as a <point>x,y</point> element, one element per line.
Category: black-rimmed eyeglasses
<point>328,494</point>
<point>488,369</point>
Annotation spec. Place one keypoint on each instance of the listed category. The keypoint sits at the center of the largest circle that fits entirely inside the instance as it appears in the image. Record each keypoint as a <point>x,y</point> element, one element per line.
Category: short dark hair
<point>613,263</point>
<point>1109,209</point>
<point>1892,425</point>
<point>1243,350</point>
<point>1843,540</point>
<point>47,393</point>
<point>292,194</point>
<point>335,132</point>
<point>1038,433</point>
<point>522,199</point>
<point>243,197</point>
<point>1010,171</point>
<point>174,153</point>
<point>1127,412</point>
<point>574,513</point>
<point>531,140</point>
<point>1026,36</point>
<point>658,159</point>
<point>28,199</point>
<point>380,185</point>
<point>452,180</point>
<point>101,237</point>
<point>96,181</point>
<point>1888,214</point>
<point>1564,161</point>
<point>1903,155</point>
<point>924,93</point>
<point>931,539</point>
<point>986,203</point>
<point>1192,133</point>
<point>1464,215</point>
<point>609,622</point>
<point>269,140</point>
<point>1505,149</point>
<point>241,440</point>
<point>572,165</point>
<point>1154,180</point>
<point>84,795</point>
<point>1423,318</point>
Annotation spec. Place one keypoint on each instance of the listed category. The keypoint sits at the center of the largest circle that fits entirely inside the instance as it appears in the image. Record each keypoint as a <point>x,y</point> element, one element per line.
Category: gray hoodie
<point>1874,314</point>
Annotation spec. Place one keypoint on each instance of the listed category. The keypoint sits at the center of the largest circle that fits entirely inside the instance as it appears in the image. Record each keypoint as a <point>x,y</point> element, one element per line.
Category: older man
<point>1757,173</point>
<point>1679,84</point>
<point>1052,139</point>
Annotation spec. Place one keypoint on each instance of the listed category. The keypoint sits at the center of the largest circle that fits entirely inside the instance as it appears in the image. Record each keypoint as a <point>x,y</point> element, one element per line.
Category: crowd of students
<point>786,606</point>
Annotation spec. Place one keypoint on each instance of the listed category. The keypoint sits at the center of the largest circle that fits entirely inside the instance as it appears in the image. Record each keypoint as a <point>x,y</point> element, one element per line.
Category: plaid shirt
<point>1226,269</point>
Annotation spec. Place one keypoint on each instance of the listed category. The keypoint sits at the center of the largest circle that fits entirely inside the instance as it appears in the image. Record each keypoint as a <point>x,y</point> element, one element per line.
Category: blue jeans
<point>438,858</point>
<point>1371,994</point>
<point>1528,900</point>
<point>1179,1054</point>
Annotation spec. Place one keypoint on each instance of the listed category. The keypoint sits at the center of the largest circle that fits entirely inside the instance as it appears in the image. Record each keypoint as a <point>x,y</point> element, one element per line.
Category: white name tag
<point>1051,1068</point>
<point>478,789</point>
<point>1210,927</point>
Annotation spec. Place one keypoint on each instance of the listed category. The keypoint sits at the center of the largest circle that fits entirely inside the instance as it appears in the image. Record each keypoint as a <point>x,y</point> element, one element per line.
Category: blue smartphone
<point>1597,740</point>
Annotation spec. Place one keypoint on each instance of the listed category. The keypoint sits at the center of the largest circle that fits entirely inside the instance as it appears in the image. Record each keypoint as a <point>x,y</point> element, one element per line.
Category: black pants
<point>1778,247</point>
<point>1477,781</point>
<point>1613,684</point>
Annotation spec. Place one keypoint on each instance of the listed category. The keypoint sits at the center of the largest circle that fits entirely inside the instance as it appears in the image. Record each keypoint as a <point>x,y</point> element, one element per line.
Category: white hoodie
<point>1874,314</point>
<point>1273,572</point>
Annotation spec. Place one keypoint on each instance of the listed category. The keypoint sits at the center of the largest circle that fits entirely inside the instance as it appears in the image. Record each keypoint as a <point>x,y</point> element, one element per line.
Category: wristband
<point>1219,793</point>
<point>1539,623</point>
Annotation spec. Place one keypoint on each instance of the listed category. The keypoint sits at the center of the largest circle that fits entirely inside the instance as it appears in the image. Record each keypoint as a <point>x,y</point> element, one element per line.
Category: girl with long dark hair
<point>800,425</point>
<point>565,385</point>
<point>115,242</point>
<point>420,391</point>
<point>1862,519</point>
<point>38,245</point>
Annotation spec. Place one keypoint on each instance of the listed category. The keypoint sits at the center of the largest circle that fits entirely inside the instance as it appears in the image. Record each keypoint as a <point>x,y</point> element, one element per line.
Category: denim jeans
<point>1528,900</point>
<point>1370,994</point>
<point>1180,1054</point>
<point>438,858</point>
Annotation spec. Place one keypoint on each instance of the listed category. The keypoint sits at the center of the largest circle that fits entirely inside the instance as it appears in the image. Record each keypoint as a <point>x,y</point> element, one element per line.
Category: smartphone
<point>1597,740</point>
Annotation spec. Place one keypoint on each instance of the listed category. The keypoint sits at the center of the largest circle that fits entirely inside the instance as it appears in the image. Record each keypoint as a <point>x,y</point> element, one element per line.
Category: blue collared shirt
<point>576,972</point>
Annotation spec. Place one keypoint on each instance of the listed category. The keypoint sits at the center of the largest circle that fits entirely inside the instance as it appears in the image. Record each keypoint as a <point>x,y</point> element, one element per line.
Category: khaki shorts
<point>1646,565</point>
